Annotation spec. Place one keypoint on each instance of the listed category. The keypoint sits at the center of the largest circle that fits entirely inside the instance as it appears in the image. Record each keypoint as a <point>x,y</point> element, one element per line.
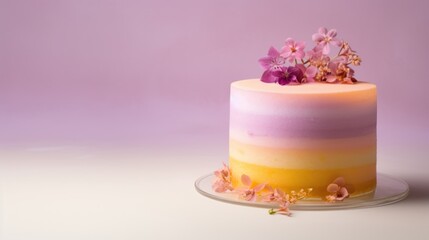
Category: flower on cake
<point>223,180</point>
<point>248,193</point>
<point>287,75</point>
<point>308,73</point>
<point>324,38</point>
<point>337,190</point>
<point>292,50</point>
<point>290,66</point>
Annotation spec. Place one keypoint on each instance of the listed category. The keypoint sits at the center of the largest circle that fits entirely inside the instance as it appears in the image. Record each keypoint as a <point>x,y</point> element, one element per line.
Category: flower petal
<point>219,187</point>
<point>291,58</point>
<point>322,30</point>
<point>284,80</point>
<point>340,181</point>
<point>285,52</point>
<point>295,71</point>
<point>337,42</point>
<point>246,180</point>
<point>272,52</point>
<point>311,72</point>
<point>259,187</point>
<point>265,62</point>
<point>268,77</point>
<point>300,45</point>
<point>342,193</point>
<point>283,212</point>
<point>301,67</point>
<point>326,49</point>
<point>332,188</point>
<point>292,78</point>
<point>299,54</point>
<point>252,197</point>
<point>331,78</point>
<point>317,37</point>
<point>218,174</point>
<point>280,193</point>
<point>290,42</point>
<point>347,81</point>
<point>332,33</point>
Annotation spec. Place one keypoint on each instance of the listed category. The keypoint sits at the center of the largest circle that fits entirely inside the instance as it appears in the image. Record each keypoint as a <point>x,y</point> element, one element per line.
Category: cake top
<point>293,65</point>
<point>310,88</point>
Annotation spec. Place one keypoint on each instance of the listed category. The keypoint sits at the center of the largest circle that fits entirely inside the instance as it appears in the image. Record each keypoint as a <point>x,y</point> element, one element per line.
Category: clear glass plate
<point>389,190</point>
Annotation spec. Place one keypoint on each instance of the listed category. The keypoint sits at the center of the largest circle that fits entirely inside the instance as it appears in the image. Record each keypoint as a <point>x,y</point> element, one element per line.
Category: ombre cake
<point>304,136</point>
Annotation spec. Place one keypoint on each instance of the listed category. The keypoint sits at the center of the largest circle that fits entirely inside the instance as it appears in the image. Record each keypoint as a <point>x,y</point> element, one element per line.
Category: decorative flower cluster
<point>273,195</point>
<point>293,65</point>
<point>263,190</point>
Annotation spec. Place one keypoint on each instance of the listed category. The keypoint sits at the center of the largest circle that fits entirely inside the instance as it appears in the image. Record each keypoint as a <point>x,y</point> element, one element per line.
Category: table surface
<point>82,192</point>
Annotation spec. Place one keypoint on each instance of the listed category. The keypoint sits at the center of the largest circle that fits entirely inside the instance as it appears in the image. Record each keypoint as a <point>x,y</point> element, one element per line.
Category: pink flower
<point>309,72</point>
<point>274,195</point>
<point>223,180</point>
<point>288,75</point>
<point>293,50</point>
<point>325,37</point>
<point>273,61</point>
<point>248,193</point>
<point>340,72</point>
<point>277,195</point>
<point>338,190</point>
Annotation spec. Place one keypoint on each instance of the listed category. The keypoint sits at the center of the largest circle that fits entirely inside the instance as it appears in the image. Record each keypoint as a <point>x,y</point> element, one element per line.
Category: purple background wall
<point>151,72</point>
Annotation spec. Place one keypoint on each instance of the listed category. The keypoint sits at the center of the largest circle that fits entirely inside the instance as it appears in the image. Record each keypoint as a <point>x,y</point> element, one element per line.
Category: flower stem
<point>341,49</point>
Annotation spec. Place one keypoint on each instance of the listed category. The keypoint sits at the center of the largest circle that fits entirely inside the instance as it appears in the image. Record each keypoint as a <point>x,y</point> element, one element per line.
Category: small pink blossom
<point>293,50</point>
<point>223,180</point>
<point>337,190</point>
<point>274,195</point>
<point>248,193</point>
<point>281,198</point>
<point>325,38</point>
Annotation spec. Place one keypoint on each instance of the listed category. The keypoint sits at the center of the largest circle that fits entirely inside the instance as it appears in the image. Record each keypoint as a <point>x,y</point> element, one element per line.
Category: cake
<point>304,136</point>
<point>305,129</point>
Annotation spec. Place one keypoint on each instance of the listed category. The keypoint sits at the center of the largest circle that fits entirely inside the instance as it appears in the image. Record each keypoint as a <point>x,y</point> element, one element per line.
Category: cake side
<point>304,136</point>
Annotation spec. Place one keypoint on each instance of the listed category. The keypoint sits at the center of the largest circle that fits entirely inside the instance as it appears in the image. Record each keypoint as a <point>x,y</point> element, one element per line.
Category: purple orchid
<point>325,37</point>
<point>287,75</point>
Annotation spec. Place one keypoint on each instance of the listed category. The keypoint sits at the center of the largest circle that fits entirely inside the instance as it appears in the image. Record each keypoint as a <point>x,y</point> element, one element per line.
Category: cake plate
<point>389,190</point>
